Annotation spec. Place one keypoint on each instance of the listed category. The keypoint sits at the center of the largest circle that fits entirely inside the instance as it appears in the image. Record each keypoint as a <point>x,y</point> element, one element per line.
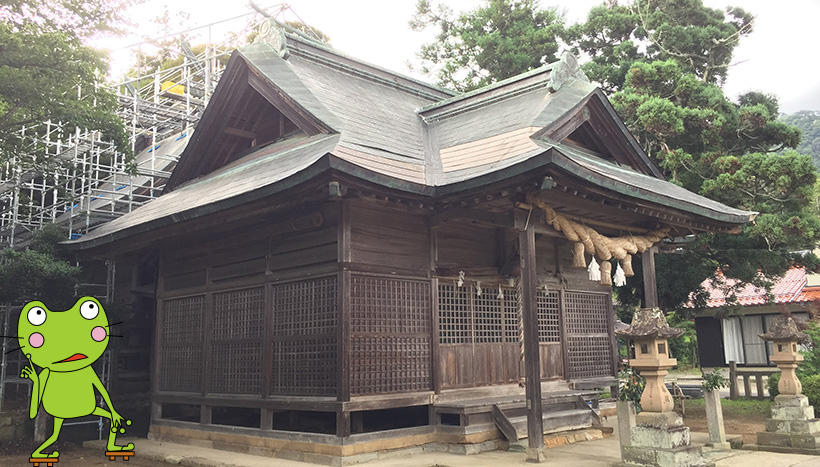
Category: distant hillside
<point>809,123</point>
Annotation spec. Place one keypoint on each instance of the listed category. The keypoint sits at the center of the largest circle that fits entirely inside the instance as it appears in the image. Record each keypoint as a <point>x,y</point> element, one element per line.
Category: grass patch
<point>736,408</point>
<point>684,371</point>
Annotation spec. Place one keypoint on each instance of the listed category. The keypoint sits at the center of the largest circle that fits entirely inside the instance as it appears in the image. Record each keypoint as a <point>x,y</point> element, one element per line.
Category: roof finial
<point>566,71</point>
<point>273,34</point>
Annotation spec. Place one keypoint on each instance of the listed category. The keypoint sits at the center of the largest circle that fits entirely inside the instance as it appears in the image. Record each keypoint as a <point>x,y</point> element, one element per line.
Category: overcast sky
<point>779,57</point>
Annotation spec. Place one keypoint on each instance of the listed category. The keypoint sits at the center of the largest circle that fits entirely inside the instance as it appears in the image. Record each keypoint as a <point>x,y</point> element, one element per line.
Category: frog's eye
<point>36,316</point>
<point>89,309</point>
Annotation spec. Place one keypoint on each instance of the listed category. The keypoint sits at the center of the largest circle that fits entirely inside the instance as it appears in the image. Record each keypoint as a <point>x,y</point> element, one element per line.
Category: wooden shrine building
<point>346,260</point>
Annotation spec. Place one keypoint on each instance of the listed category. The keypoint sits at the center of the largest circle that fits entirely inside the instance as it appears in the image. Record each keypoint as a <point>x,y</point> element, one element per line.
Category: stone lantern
<point>792,426</point>
<point>785,336</point>
<point>649,332</point>
<point>659,436</point>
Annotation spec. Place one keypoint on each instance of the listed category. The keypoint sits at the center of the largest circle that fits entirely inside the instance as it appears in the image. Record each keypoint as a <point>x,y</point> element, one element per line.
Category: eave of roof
<point>636,185</point>
<point>559,156</point>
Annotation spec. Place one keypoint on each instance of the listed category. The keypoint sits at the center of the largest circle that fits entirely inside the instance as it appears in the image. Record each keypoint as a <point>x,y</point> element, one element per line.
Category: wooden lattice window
<point>304,337</point>
<point>466,317</point>
<point>549,329</point>
<point>489,317</point>
<point>180,366</point>
<point>237,325</point>
<point>589,345</point>
<point>455,316</point>
<point>512,316</point>
<point>389,335</point>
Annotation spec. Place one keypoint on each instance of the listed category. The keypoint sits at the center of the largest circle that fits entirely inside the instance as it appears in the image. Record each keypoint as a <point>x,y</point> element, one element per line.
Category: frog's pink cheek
<point>98,333</point>
<point>36,340</point>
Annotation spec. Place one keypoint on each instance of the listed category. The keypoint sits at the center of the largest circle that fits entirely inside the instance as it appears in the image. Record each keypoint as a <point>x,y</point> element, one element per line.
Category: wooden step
<point>504,424</point>
<point>556,421</point>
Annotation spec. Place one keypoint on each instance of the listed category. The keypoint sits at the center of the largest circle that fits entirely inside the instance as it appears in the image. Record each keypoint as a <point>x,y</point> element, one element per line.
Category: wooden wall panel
<point>545,258</point>
<point>461,246</point>
<point>303,249</point>
<point>285,246</point>
<point>386,237</point>
<point>456,365</point>
<point>552,360</point>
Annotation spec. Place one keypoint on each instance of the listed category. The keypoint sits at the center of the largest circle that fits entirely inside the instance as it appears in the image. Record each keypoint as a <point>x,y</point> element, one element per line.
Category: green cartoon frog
<point>65,344</point>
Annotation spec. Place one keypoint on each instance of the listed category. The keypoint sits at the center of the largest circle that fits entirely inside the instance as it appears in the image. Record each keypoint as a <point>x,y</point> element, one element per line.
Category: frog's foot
<point>115,448</point>
<point>40,455</point>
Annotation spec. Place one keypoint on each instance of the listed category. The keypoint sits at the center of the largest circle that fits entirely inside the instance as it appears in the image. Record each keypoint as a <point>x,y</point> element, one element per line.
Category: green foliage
<point>738,408</point>
<point>630,386</point>
<point>811,357</point>
<point>714,380</point>
<point>499,39</point>
<point>808,121</point>
<point>725,151</point>
<point>774,380</point>
<point>698,39</point>
<point>811,388</point>
<point>683,347</point>
<point>79,18</point>
<point>42,64</point>
<point>38,273</point>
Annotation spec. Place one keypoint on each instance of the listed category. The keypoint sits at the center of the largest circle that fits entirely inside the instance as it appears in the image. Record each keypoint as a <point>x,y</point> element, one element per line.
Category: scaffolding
<point>73,177</point>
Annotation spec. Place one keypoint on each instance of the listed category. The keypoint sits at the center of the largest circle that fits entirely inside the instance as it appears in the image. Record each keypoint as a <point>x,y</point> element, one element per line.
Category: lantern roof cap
<point>783,329</point>
<point>649,322</point>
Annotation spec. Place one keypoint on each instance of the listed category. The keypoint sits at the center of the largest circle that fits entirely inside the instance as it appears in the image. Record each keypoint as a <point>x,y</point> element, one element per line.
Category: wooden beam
<point>229,130</point>
<point>650,286</point>
<point>535,423</point>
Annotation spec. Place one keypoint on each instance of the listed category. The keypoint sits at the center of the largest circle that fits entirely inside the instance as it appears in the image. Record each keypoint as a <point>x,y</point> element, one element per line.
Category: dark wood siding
<point>389,238</point>
<point>252,311</point>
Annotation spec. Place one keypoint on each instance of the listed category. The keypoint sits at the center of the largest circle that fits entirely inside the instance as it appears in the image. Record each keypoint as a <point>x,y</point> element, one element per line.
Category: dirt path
<point>746,425</point>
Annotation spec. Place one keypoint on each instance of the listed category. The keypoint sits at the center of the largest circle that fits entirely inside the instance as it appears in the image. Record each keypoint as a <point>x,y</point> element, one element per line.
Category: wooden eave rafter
<point>571,196</point>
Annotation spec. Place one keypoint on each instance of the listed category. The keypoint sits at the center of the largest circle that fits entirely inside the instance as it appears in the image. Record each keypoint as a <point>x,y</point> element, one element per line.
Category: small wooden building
<point>729,332</point>
<point>347,260</point>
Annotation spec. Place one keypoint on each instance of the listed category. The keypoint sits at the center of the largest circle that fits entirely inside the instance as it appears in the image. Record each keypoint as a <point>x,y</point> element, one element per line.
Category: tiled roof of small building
<point>790,288</point>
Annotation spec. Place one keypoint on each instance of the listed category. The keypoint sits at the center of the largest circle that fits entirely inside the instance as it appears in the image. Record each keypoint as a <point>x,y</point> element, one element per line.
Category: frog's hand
<point>29,372</point>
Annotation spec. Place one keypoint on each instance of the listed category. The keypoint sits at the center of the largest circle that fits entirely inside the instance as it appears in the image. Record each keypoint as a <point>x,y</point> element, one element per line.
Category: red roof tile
<point>791,288</point>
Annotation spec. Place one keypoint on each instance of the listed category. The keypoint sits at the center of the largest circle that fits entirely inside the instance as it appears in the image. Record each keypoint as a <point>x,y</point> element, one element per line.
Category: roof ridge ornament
<point>273,34</point>
<point>565,71</point>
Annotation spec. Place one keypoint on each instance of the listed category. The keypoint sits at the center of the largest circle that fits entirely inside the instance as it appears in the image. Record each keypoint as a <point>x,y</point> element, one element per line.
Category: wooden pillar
<point>535,423</point>
<point>732,380</point>
<point>650,286</point>
<point>342,423</point>
<point>343,308</point>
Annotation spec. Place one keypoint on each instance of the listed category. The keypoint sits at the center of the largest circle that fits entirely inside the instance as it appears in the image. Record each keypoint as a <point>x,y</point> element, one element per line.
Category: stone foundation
<point>661,439</point>
<point>792,426</point>
<point>356,449</point>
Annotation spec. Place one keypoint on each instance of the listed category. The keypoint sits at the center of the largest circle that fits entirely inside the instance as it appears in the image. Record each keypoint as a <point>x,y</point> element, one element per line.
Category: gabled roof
<point>337,113</point>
